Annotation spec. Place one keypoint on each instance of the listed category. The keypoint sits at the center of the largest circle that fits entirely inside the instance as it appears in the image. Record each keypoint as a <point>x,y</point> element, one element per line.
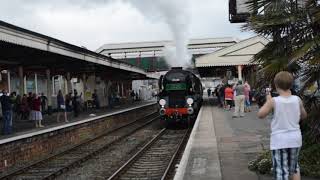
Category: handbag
<point>62,106</point>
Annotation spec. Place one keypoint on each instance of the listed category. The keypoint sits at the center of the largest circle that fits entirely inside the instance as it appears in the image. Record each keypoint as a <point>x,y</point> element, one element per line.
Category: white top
<point>285,128</point>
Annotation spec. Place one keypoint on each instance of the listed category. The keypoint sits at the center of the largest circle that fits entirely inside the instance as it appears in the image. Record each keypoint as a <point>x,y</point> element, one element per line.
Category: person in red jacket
<point>36,114</point>
<point>228,96</point>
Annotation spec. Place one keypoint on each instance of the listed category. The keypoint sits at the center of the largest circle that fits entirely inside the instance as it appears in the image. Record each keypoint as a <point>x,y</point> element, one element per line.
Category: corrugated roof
<point>16,35</point>
<point>238,54</point>
<point>161,44</point>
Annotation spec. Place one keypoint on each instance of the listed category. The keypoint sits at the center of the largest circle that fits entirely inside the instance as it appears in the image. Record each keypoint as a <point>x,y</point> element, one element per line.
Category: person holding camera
<point>286,138</point>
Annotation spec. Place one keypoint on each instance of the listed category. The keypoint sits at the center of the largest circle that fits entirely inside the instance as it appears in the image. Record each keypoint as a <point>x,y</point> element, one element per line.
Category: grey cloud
<point>89,22</point>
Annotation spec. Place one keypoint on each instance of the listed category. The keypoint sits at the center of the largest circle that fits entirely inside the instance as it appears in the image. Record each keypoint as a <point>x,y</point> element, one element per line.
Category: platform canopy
<point>240,53</point>
<point>35,51</point>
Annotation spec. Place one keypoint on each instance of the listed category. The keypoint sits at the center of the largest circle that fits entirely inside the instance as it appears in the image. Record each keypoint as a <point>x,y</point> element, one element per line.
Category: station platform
<point>29,146</point>
<point>23,127</point>
<point>220,146</point>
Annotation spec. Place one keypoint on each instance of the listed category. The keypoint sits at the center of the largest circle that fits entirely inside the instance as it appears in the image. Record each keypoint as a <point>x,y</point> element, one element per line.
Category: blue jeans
<point>7,122</point>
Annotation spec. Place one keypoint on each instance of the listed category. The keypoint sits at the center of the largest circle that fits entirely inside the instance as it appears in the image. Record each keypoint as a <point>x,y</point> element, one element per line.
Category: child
<point>286,139</point>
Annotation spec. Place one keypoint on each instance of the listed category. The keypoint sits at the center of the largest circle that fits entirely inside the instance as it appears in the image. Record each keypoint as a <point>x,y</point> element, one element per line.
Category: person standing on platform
<point>239,100</point>
<point>13,99</point>
<point>44,101</point>
<point>35,113</point>
<point>18,106</point>
<point>110,103</point>
<point>76,103</point>
<point>286,138</point>
<point>234,94</point>
<point>228,95</point>
<point>132,94</point>
<point>29,100</point>
<point>209,92</point>
<point>24,107</point>
<point>69,102</point>
<point>95,99</point>
<point>216,90</point>
<point>221,94</point>
<point>247,97</point>
<point>61,107</point>
<point>6,106</point>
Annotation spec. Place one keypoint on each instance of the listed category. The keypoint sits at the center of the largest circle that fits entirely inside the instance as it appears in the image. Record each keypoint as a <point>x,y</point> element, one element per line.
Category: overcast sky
<point>92,23</point>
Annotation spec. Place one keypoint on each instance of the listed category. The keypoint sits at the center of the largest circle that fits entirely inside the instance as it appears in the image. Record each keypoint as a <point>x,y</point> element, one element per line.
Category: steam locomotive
<point>180,97</point>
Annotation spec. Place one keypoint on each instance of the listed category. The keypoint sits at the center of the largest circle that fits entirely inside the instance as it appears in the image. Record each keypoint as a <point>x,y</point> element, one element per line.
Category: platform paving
<point>201,158</point>
<point>221,146</point>
<point>21,127</point>
<point>239,141</point>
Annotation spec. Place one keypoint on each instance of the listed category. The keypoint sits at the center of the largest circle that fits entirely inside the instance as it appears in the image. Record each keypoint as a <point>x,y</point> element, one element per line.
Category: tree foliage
<point>293,27</point>
<point>294,30</point>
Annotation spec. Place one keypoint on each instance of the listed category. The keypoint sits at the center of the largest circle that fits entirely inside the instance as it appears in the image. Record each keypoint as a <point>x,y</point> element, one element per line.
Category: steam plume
<point>175,13</point>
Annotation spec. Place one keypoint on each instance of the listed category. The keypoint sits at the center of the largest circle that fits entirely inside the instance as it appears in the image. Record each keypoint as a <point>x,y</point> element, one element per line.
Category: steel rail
<point>24,169</point>
<point>135,156</point>
<point>144,149</point>
<point>185,137</point>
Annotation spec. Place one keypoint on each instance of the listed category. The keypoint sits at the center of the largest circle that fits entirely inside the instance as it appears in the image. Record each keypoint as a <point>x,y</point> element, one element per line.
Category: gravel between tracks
<point>108,161</point>
<point>154,161</point>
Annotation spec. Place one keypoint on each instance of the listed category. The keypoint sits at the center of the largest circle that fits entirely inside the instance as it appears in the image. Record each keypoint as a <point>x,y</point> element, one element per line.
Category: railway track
<point>60,163</point>
<point>156,158</point>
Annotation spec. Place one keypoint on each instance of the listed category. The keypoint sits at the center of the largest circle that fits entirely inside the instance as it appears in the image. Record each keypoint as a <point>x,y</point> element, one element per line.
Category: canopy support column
<point>49,93</point>
<point>69,85</point>
<point>9,82</point>
<point>36,82</point>
<point>239,72</point>
<point>22,82</point>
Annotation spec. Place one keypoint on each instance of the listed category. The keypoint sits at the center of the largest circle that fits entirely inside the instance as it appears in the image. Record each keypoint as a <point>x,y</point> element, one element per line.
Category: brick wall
<point>21,152</point>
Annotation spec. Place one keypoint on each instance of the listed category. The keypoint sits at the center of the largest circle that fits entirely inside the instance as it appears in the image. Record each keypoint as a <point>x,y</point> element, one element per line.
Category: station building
<point>216,59</point>
<point>232,63</point>
<point>149,55</point>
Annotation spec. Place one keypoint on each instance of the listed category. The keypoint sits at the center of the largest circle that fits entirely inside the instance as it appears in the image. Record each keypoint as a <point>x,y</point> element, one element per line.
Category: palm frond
<point>295,45</point>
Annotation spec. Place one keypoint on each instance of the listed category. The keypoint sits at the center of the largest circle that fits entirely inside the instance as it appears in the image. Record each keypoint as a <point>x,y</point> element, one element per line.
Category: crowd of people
<point>236,95</point>
<point>34,106</point>
<point>22,107</point>
<point>134,96</point>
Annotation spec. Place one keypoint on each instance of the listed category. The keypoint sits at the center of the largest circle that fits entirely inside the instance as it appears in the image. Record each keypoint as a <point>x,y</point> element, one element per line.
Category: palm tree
<point>293,26</point>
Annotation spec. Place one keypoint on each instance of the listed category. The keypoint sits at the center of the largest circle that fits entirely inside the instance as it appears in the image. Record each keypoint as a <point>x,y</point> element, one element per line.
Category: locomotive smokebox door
<point>180,97</point>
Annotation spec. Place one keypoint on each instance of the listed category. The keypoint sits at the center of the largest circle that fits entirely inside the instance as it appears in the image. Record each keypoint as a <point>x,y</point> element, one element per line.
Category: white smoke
<point>176,14</point>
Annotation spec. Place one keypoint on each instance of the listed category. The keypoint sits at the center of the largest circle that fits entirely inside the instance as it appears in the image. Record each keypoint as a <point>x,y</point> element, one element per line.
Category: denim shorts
<point>285,162</point>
